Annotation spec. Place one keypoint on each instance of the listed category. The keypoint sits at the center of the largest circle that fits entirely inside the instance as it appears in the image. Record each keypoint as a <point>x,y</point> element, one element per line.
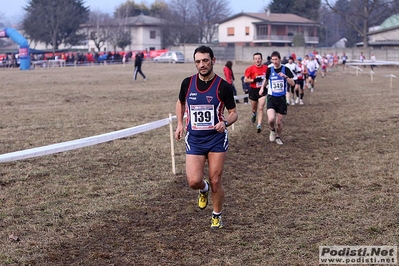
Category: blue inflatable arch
<point>14,35</point>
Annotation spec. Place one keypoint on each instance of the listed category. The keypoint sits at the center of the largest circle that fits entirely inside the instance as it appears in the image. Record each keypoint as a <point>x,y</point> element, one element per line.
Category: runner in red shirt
<point>254,75</point>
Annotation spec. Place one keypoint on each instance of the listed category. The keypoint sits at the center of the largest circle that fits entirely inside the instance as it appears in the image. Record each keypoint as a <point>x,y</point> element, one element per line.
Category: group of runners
<point>277,86</point>
<point>205,96</point>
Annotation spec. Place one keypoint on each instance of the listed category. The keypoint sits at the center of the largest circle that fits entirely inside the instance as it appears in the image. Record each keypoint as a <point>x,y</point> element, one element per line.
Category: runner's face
<point>204,64</point>
<point>257,60</point>
<point>276,61</point>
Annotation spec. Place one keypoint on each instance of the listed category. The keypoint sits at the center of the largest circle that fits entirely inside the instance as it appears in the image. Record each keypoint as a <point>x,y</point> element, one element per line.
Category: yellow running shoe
<point>203,198</point>
<point>216,222</point>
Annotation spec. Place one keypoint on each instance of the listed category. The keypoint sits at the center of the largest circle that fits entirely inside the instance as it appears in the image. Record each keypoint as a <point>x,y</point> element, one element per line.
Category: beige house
<point>266,29</point>
<point>145,32</point>
<point>387,34</point>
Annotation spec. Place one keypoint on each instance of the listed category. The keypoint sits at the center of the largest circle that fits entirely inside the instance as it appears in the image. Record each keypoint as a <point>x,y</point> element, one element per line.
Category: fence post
<point>172,146</point>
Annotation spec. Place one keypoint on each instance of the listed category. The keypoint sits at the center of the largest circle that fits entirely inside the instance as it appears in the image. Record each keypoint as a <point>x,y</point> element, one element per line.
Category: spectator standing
<point>254,75</point>
<point>137,66</point>
<point>278,77</point>
<point>129,56</point>
<point>229,76</point>
<point>203,98</point>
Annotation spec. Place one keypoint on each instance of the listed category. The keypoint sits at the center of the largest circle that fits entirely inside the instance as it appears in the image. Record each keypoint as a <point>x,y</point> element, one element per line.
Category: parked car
<point>170,57</point>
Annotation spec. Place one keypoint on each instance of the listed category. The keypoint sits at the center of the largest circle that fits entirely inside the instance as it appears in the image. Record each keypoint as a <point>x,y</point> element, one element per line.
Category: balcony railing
<point>273,38</point>
<point>282,39</point>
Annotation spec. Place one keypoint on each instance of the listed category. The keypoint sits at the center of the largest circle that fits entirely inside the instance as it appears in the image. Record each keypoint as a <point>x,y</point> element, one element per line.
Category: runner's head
<point>257,57</point>
<point>276,59</point>
<point>204,60</point>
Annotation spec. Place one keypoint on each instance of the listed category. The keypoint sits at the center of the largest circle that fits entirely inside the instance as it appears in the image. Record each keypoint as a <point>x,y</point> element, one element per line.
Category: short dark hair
<point>275,53</point>
<point>261,57</point>
<point>204,50</point>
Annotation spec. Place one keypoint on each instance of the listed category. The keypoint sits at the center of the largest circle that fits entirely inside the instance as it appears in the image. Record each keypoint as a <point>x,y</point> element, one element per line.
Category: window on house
<point>230,31</point>
<point>246,31</point>
<point>152,34</point>
<point>261,30</point>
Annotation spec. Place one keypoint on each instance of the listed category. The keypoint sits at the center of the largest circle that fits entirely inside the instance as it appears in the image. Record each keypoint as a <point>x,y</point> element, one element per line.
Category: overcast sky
<point>13,9</point>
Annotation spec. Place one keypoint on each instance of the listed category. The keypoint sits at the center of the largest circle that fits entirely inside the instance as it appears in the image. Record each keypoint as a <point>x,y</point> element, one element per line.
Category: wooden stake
<point>172,146</point>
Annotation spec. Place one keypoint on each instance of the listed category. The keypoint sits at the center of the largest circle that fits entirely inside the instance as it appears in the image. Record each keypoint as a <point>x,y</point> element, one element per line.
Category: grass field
<point>333,182</point>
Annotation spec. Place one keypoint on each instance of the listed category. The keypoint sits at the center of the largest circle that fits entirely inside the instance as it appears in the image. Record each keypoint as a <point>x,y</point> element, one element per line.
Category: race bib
<point>278,85</point>
<point>202,117</point>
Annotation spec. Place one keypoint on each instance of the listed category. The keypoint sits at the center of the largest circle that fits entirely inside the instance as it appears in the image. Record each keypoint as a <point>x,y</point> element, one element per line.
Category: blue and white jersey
<point>277,84</point>
<point>312,65</point>
<point>204,109</point>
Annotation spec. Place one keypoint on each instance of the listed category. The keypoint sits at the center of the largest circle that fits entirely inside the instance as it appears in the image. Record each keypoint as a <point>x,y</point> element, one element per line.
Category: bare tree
<point>120,36</point>
<point>181,26</point>
<point>98,28</point>
<point>192,21</point>
<point>362,14</point>
<point>208,14</point>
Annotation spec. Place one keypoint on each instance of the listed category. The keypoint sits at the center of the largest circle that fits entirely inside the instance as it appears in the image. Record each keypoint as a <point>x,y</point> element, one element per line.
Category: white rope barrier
<point>372,73</point>
<point>369,63</point>
<point>84,142</point>
<point>89,141</point>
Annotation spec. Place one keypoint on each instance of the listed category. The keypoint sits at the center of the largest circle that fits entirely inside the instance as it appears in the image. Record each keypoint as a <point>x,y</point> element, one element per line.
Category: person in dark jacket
<point>137,67</point>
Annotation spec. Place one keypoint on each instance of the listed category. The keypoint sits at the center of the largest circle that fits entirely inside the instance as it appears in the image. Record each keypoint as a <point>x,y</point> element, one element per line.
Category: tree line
<point>56,22</point>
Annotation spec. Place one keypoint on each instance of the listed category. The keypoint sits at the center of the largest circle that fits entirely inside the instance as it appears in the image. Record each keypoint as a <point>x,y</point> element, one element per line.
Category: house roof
<point>140,20</point>
<point>274,18</point>
<point>391,23</point>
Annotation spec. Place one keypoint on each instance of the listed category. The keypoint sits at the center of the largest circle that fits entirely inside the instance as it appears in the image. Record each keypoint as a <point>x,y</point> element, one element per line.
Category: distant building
<point>266,29</point>
<point>145,32</point>
<point>386,35</point>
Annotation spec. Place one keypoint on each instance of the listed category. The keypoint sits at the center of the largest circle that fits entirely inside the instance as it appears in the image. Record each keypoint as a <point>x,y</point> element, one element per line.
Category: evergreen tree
<point>304,8</point>
<point>55,21</point>
<point>281,6</point>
